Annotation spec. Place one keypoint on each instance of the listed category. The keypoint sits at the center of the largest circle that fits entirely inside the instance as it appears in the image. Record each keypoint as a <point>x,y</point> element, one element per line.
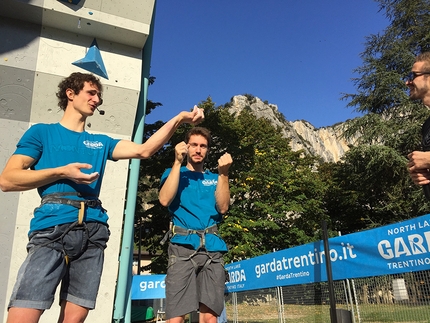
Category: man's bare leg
<point>178,319</point>
<point>207,315</point>
<point>28,315</point>
<point>72,313</point>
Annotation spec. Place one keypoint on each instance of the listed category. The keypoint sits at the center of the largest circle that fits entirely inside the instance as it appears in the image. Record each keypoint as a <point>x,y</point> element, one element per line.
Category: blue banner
<point>396,248</point>
<point>148,287</point>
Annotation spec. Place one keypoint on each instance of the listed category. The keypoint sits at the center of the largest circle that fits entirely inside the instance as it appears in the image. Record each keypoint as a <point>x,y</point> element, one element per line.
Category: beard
<point>195,161</point>
<point>418,94</point>
<point>198,162</point>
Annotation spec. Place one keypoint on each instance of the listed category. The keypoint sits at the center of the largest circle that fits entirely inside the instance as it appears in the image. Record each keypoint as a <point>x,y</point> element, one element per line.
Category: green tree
<point>390,117</point>
<point>371,187</point>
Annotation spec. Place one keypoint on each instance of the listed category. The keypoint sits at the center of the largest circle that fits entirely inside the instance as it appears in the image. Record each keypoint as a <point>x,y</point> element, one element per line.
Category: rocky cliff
<point>325,142</point>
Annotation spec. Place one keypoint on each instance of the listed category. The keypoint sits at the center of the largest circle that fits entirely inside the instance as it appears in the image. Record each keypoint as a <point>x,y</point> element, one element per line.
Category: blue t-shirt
<point>194,207</point>
<point>53,145</point>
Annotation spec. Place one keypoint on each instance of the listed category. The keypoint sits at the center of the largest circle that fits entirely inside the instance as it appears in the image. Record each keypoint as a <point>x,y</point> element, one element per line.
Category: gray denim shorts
<point>186,287</point>
<point>45,267</point>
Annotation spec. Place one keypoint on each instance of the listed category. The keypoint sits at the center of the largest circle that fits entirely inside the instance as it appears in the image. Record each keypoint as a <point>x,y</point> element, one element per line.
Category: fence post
<point>351,299</point>
<point>356,301</point>
<point>333,317</point>
<point>280,304</point>
<point>235,310</point>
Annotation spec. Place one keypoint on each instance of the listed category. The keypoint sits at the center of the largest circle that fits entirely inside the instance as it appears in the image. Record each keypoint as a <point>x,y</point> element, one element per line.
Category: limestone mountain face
<point>325,142</point>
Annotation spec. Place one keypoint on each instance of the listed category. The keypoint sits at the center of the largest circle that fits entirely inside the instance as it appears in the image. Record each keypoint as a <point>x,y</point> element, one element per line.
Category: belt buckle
<point>91,203</point>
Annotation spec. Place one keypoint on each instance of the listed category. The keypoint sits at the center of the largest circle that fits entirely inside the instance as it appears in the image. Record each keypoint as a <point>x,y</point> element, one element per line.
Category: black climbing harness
<point>79,225</point>
<point>200,250</point>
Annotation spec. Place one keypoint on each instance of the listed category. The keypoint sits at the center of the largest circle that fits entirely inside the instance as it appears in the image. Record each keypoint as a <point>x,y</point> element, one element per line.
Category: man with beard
<point>196,199</point>
<point>418,83</point>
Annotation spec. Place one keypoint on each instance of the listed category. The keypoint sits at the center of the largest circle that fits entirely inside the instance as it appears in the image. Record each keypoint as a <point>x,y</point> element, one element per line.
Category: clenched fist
<point>224,163</point>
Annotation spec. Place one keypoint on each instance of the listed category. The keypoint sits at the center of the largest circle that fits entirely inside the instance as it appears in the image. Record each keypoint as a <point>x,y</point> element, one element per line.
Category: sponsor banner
<point>396,248</point>
<point>148,287</point>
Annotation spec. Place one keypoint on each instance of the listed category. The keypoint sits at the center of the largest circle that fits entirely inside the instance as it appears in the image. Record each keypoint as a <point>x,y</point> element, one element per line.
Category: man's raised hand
<point>224,163</point>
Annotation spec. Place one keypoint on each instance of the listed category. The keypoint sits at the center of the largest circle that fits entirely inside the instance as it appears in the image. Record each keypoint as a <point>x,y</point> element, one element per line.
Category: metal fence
<point>391,298</point>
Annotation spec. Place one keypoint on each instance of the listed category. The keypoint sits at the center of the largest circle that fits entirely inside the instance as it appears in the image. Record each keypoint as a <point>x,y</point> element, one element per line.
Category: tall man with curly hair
<point>69,231</point>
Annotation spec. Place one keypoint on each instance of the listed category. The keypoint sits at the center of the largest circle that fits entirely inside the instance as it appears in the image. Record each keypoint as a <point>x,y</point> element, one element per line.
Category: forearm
<point>24,180</point>
<point>160,138</point>
<point>126,149</point>
<point>170,187</point>
<point>222,194</point>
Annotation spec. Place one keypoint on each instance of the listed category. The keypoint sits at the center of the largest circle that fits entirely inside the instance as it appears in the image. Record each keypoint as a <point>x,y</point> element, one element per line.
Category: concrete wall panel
<point>137,10</point>
<point>123,64</point>
<point>19,43</point>
<point>59,49</point>
<point>16,90</point>
<point>10,132</point>
<point>45,107</point>
<point>120,111</point>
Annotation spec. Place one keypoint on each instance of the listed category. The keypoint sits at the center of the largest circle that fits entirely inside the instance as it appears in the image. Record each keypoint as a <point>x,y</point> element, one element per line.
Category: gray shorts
<point>185,289</point>
<point>45,267</point>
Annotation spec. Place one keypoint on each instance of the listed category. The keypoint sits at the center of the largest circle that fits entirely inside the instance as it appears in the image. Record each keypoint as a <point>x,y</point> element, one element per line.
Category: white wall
<point>40,41</point>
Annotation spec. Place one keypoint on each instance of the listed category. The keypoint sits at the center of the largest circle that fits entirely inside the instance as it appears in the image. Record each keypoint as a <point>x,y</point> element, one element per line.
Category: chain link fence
<point>390,298</point>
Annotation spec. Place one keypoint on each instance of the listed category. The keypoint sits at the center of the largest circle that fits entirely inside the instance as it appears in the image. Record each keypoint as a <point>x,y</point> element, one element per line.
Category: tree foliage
<point>370,186</point>
<point>390,116</point>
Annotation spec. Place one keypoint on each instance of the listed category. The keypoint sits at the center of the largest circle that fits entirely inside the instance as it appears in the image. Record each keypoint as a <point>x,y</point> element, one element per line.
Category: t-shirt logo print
<point>93,144</point>
<point>209,182</point>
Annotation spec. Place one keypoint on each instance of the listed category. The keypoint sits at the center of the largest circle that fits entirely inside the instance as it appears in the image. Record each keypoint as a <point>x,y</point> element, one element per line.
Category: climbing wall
<point>43,41</point>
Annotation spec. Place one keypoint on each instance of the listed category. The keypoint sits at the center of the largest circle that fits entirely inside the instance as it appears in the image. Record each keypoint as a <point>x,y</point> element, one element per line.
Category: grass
<point>370,313</point>
<point>395,313</point>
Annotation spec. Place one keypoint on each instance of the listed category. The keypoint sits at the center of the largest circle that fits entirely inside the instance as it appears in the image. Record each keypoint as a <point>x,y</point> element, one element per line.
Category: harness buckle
<point>92,203</point>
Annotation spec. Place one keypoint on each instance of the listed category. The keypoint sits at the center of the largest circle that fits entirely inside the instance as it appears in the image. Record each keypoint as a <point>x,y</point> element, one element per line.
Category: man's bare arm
<point>17,176</point>
<point>126,149</point>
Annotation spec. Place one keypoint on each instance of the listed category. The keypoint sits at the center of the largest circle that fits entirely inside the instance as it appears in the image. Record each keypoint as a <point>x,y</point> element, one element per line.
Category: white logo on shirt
<point>93,144</point>
<point>209,182</point>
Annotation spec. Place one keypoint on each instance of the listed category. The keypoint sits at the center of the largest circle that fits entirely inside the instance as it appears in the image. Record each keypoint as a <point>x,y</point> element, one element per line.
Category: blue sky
<point>299,55</point>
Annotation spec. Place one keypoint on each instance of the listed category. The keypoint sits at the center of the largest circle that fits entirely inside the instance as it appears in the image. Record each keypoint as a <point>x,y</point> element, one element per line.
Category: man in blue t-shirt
<point>197,199</point>
<point>69,231</point>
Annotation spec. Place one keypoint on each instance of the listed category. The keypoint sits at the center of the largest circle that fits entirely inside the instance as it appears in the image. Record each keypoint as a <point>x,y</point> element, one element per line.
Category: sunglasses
<point>413,75</point>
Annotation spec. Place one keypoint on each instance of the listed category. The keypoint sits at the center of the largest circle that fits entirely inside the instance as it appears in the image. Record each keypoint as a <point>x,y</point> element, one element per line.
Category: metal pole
<point>122,298</point>
<point>281,318</point>
<point>139,255</point>
<point>352,301</point>
<point>333,318</point>
<point>235,310</point>
<point>356,301</point>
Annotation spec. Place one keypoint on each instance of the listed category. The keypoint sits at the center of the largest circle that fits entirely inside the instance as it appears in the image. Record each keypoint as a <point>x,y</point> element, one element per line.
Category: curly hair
<point>75,82</point>
<point>199,131</point>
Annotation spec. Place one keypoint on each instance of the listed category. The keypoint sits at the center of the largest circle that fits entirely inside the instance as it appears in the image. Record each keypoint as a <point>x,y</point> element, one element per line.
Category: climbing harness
<point>200,250</point>
<point>79,225</point>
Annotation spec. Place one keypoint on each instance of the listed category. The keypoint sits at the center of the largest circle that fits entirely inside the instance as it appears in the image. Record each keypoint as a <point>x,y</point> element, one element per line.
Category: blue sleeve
<point>112,145</point>
<point>30,143</point>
